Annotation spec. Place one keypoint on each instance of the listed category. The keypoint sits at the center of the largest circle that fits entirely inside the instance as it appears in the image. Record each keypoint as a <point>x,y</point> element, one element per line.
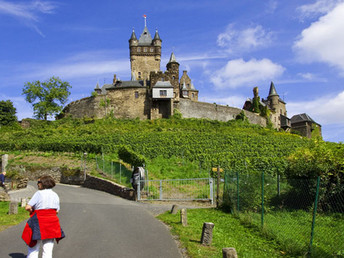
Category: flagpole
<point>144,16</point>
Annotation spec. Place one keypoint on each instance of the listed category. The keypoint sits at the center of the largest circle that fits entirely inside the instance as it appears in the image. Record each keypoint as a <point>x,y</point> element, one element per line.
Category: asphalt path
<point>97,224</point>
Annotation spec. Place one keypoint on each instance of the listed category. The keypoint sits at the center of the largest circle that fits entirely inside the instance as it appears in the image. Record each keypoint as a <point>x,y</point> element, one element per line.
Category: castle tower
<point>278,107</point>
<point>145,54</point>
<point>173,72</point>
<point>273,97</point>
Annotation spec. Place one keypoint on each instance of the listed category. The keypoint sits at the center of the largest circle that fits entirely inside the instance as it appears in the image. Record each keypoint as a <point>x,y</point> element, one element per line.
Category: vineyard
<point>232,145</point>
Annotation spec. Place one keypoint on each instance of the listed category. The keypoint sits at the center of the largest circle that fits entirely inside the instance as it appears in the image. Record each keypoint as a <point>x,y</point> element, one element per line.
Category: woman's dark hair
<point>47,182</point>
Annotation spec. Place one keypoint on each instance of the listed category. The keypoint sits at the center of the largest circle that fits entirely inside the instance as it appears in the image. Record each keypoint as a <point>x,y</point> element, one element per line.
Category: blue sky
<point>227,46</point>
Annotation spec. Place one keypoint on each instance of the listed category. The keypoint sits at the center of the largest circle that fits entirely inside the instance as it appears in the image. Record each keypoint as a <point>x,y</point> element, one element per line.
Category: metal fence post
<point>314,214</point>
<point>139,189</point>
<point>278,184</point>
<point>238,193</point>
<point>211,186</point>
<point>262,217</point>
<point>160,196</point>
<point>120,172</point>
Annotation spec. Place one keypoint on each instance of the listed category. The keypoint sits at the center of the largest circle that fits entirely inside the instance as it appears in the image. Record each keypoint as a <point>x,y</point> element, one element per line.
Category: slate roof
<point>272,91</point>
<point>161,84</point>
<point>145,38</point>
<point>301,118</point>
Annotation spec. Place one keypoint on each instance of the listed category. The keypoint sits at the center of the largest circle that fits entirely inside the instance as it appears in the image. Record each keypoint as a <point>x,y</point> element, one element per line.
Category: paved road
<point>98,224</point>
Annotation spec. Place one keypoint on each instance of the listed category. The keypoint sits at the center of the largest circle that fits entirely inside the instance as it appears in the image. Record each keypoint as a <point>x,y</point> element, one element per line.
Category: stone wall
<point>86,107</point>
<point>73,177</point>
<point>109,187</point>
<point>62,175</point>
<point>192,109</point>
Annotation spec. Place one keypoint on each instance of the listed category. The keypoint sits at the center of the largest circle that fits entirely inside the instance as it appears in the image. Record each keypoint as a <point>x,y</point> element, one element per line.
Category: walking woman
<point>43,226</point>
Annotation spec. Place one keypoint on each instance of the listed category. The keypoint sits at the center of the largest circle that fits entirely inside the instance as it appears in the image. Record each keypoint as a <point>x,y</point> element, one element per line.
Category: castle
<point>152,93</point>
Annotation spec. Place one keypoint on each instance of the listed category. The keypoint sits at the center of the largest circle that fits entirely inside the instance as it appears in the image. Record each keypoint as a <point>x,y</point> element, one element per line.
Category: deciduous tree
<point>51,95</point>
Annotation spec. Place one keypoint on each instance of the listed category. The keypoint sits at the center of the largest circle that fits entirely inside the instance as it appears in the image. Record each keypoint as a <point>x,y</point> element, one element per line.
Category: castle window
<point>193,95</point>
<point>173,77</point>
<point>145,49</point>
<point>163,93</point>
<point>138,49</point>
<point>136,94</point>
<point>151,49</point>
<point>139,75</point>
<point>185,93</point>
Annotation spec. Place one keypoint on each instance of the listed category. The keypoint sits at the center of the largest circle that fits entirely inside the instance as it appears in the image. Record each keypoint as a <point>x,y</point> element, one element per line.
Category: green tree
<point>7,112</point>
<point>51,95</point>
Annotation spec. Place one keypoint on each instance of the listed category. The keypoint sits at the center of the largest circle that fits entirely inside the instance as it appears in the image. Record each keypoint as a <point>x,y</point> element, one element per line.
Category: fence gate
<point>176,189</point>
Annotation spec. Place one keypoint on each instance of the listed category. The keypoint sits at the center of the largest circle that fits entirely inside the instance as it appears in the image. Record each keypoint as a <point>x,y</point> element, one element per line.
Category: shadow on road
<point>17,255</point>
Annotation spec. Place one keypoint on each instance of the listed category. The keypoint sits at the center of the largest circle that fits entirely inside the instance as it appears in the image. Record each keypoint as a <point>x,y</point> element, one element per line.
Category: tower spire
<point>145,19</point>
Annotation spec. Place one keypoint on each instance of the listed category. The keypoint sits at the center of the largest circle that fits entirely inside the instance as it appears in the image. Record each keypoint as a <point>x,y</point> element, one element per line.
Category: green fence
<point>305,216</point>
<point>114,170</point>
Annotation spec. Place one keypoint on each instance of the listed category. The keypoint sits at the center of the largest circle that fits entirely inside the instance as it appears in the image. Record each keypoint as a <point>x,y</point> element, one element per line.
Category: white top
<point>45,199</point>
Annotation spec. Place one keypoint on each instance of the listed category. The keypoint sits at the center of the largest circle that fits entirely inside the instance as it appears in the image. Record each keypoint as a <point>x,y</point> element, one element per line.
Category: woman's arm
<point>29,208</point>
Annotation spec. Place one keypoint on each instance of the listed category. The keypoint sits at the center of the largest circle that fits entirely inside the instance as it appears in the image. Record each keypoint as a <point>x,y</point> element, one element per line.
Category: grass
<point>284,234</point>
<point>228,232</point>
<point>7,220</point>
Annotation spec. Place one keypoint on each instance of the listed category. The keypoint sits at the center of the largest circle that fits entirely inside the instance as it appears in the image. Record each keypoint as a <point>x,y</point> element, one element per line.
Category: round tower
<point>273,97</point>
<point>173,71</point>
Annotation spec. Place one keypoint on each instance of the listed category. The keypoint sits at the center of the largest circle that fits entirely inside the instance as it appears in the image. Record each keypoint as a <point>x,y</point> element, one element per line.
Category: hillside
<point>232,145</point>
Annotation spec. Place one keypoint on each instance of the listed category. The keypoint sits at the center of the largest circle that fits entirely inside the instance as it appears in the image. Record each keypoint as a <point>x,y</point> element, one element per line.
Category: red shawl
<point>43,224</point>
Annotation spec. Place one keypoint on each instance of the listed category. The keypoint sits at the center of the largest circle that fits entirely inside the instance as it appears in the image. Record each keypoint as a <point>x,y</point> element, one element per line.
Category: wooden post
<point>229,253</point>
<point>174,209</point>
<point>13,209</point>
<point>183,217</point>
<point>207,233</point>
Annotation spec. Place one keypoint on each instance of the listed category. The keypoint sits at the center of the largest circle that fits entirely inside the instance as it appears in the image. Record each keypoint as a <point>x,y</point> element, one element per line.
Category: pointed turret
<point>156,36</point>
<point>172,58</point>
<point>272,91</point>
<point>98,89</point>
<point>133,35</point>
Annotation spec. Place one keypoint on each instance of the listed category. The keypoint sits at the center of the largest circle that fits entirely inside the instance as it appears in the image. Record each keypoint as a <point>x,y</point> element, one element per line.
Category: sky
<point>227,46</point>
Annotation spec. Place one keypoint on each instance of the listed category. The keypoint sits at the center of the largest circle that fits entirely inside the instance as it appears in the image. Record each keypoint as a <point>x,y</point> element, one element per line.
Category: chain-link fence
<point>305,216</point>
<point>190,189</point>
<point>114,170</point>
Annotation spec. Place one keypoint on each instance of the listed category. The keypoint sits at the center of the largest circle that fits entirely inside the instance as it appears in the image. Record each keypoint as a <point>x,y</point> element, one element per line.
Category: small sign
<point>215,169</point>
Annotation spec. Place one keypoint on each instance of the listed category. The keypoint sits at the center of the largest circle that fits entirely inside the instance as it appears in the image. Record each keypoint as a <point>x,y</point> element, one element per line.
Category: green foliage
<point>256,104</point>
<point>7,220</point>
<point>177,114</point>
<point>241,116</point>
<point>232,145</point>
<point>324,160</point>
<point>228,232</point>
<point>7,113</point>
<point>49,94</point>
<point>129,156</point>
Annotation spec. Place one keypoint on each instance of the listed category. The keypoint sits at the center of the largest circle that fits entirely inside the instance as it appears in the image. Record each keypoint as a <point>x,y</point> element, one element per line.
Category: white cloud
<point>27,11</point>
<point>240,73</point>
<point>324,110</point>
<point>319,7</point>
<point>244,40</point>
<point>232,101</point>
<point>323,40</point>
